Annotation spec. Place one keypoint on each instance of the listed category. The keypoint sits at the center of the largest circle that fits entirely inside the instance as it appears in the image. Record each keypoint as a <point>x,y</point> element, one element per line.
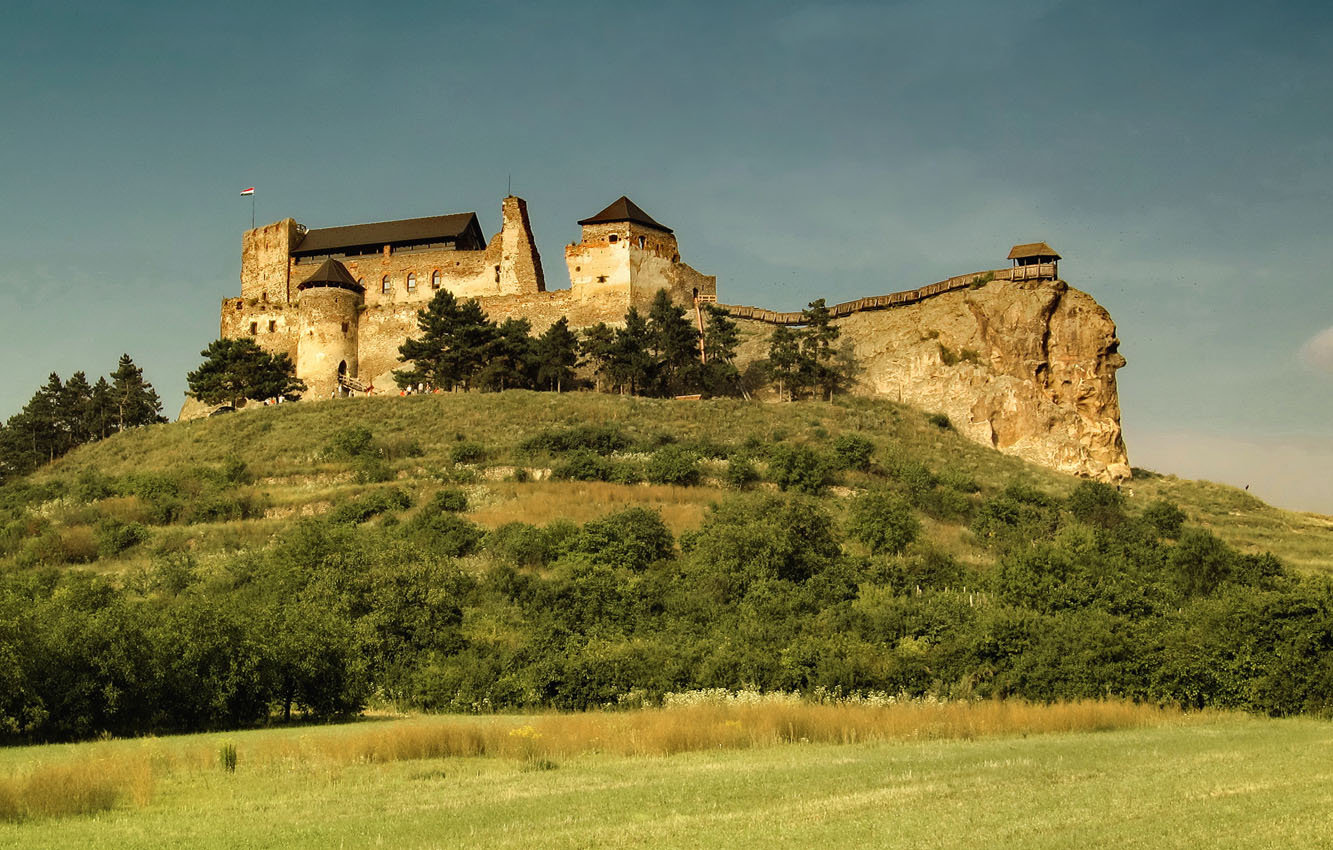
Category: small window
<point>497,274</point>
<point>272,326</point>
<point>240,304</point>
<point>385,286</point>
<point>435,279</point>
<point>411,282</point>
<point>613,238</point>
<point>601,278</point>
<point>361,281</point>
<point>675,258</point>
<point>640,241</point>
<point>254,328</point>
<point>344,327</point>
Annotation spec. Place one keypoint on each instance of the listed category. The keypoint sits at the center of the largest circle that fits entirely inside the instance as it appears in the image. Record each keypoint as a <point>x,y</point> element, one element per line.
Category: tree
<point>557,353</point>
<point>452,349</point>
<point>721,336</point>
<point>817,362</point>
<point>511,362</point>
<point>135,399</point>
<point>101,416</point>
<point>784,357</point>
<point>632,365</point>
<point>883,522</point>
<point>236,369</point>
<point>598,348</point>
<point>674,343</point>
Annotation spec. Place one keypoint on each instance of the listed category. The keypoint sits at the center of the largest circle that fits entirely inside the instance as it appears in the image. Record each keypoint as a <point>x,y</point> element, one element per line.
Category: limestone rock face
<point>1028,368</point>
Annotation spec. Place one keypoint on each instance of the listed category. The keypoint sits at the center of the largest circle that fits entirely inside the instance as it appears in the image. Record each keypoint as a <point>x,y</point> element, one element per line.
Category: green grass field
<point>1230,781</point>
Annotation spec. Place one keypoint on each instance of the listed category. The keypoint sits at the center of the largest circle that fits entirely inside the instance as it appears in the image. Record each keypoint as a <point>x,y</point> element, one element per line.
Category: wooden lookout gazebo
<point>1034,261</point>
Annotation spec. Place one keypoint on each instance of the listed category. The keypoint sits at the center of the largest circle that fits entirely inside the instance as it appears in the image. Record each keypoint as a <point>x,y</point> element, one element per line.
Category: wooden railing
<point>1043,271</point>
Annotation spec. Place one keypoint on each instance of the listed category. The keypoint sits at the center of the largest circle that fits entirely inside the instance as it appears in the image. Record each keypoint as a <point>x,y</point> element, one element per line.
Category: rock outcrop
<point>1026,367</point>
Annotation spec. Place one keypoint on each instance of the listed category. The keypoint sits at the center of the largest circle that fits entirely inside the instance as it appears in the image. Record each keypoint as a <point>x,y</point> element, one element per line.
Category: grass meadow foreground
<point>717,774</point>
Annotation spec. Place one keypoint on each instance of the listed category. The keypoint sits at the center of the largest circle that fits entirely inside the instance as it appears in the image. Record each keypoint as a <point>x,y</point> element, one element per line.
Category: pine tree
<point>598,347</point>
<point>236,369</point>
<point>453,345</point>
<point>721,336</point>
<point>784,359</point>
<point>135,399</point>
<point>72,411</point>
<point>632,363</point>
<point>557,354</point>
<point>511,362</point>
<point>674,343</point>
<point>102,415</point>
<point>818,369</point>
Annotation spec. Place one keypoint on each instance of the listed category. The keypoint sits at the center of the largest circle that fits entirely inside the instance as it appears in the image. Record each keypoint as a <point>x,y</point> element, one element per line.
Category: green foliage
<point>354,442</point>
<point>602,439</point>
<point>883,521</point>
<point>454,345</point>
<point>632,539</point>
<point>371,505</point>
<point>799,468</point>
<point>852,451</point>
<point>467,453</point>
<point>115,536</point>
<point>939,420</point>
<point>1166,518</point>
<point>236,369</point>
<point>741,472</point>
<point>1097,504</point>
<point>582,465</point>
<point>227,756</point>
<point>450,501</point>
<point>673,465</point>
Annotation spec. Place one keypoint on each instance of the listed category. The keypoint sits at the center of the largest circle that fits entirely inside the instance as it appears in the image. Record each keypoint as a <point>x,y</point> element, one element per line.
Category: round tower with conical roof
<point>329,303</point>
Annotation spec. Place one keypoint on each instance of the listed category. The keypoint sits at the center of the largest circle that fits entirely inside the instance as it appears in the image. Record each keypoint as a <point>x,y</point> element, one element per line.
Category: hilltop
<point>520,551</point>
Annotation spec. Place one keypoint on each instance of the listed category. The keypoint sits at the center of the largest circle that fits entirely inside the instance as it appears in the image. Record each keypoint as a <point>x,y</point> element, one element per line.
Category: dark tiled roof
<point>435,228</point>
<point>1032,249</point>
<point>623,209</point>
<point>331,273</point>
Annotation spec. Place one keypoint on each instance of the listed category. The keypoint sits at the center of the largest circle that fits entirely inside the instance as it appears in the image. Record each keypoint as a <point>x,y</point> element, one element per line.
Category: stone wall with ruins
<point>1016,358</point>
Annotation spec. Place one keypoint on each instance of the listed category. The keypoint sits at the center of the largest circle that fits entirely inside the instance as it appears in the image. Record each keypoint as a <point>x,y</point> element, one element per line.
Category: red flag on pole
<point>249,191</point>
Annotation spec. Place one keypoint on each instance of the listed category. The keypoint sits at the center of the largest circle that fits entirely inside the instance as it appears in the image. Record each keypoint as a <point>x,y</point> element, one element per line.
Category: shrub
<point>601,439</point>
<point>582,465</point>
<point>741,472</point>
<point>1165,518</point>
<point>353,442</point>
<point>114,536</point>
<point>444,533</point>
<point>234,471</point>
<point>1201,562</point>
<point>629,539</point>
<point>799,468</point>
<point>370,505</point>
<point>883,522</point>
<point>467,453</point>
<point>449,501</point>
<point>940,420</point>
<point>1096,504</point>
<point>673,465</point>
<point>853,451</point>
<point>915,477</point>
<point>520,543</point>
<point>625,472</point>
<point>372,470</point>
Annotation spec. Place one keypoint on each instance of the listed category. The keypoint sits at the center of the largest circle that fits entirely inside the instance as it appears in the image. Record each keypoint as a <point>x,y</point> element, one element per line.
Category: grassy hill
<point>286,451</point>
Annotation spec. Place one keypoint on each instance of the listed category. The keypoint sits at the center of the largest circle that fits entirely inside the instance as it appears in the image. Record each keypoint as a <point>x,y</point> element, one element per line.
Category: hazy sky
<point>1176,153</point>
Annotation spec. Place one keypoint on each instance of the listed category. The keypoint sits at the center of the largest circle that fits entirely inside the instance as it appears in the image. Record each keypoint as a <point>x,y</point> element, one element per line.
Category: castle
<point>341,300</point>
<point>1015,357</point>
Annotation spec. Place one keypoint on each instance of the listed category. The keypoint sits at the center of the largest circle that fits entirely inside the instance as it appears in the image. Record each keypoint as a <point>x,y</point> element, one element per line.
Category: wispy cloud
<point>1317,353</point>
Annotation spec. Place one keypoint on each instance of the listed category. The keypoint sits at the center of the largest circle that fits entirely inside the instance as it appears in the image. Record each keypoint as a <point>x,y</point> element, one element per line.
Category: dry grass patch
<point>78,787</point>
<point>542,502</point>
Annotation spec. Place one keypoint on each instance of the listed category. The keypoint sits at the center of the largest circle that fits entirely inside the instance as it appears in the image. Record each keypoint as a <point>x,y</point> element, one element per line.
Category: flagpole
<point>252,210</point>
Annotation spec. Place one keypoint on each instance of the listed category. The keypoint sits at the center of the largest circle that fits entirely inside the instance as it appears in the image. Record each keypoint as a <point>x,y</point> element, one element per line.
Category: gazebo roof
<point>1032,249</point>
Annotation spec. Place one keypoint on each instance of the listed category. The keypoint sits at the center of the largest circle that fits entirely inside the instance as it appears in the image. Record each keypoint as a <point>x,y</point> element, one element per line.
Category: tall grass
<point>713,724</point>
<point>78,787</point>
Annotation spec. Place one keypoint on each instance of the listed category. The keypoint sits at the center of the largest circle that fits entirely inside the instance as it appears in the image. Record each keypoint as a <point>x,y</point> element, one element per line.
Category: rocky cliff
<point>1026,367</point>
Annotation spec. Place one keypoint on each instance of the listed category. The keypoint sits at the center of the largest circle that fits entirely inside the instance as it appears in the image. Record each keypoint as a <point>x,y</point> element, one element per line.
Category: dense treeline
<point>384,600</point>
<point>657,355</point>
<point>63,415</point>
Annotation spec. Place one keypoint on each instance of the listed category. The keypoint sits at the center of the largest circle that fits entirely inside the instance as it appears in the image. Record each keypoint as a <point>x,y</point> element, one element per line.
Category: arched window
<point>411,282</point>
<point>435,279</point>
<point>361,281</point>
<point>385,286</point>
<point>640,241</point>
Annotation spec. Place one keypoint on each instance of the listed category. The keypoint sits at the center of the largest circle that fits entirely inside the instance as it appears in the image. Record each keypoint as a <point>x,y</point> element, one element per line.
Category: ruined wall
<point>1027,368</point>
<point>632,268</point>
<point>264,260</point>
<point>598,267</point>
<point>520,264</point>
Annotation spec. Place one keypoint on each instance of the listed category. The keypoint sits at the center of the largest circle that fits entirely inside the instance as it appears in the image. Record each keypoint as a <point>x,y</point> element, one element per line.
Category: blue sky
<point>1179,155</point>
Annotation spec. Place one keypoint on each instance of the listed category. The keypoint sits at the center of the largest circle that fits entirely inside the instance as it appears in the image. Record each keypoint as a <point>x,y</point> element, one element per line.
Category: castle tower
<point>329,303</point>
<point>264,260</point>
<point>625,254</point>
<point>520,264</point>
